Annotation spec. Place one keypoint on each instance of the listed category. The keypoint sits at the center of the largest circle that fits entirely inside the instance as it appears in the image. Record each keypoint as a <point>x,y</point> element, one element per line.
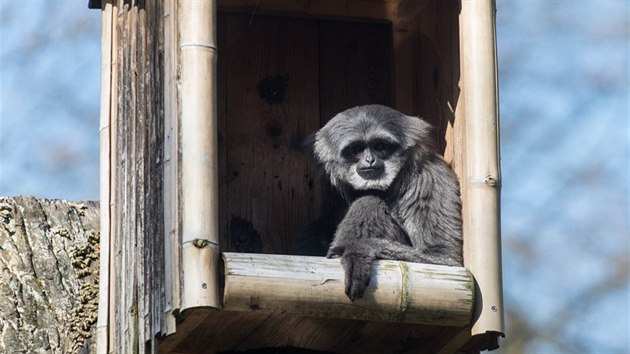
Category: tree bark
<point>49,253</point>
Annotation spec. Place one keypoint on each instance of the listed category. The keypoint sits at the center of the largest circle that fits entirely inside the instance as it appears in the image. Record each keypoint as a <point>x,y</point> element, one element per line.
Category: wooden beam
<point>314,286</point>
<point>359,9</point>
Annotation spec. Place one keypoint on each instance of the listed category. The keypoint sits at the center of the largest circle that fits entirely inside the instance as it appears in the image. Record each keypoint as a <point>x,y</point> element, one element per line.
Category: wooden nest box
<point>204,183</point>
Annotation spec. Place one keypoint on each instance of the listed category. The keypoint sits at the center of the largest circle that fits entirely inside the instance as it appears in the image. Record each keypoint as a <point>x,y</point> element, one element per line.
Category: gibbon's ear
<point>308,143</point>
<point>418,132</point>
<point>321,148</point>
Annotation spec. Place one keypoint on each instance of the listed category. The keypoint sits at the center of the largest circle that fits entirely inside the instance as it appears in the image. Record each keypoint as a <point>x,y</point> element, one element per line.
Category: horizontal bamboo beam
<point>314,286</point>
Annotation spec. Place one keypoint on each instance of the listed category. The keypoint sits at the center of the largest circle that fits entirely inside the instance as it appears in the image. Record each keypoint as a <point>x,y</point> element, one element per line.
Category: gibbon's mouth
<point>370,172</point>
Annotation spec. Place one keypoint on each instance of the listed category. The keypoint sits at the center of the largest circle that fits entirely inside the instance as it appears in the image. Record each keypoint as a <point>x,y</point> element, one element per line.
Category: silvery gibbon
<point>390,195</point>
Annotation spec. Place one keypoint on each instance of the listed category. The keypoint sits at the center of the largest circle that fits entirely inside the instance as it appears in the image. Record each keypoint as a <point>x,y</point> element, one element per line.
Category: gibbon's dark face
<point>368,159</point>
<point>367,146</point>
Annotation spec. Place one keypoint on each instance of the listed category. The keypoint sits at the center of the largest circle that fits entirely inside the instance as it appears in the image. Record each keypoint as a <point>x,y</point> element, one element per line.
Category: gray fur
<point>412,212</point>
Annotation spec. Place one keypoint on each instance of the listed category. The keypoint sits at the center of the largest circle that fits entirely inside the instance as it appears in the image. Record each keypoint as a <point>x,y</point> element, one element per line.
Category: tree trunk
<point>49,253</point>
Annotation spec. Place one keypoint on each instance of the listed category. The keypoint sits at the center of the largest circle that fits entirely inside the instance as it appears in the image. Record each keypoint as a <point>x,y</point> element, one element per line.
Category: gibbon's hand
<point>356,260</point>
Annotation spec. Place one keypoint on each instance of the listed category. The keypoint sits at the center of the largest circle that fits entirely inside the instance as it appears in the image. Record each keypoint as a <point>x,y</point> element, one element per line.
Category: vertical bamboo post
<point>102,324</point>
<point>200,234</point>
<point>481,178</point>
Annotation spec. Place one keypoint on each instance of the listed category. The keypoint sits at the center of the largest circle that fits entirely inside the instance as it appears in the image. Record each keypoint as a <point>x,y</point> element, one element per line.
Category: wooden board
<point>357,9</point>
<point>268,175</point>
<point>137,233</point>
<point>355,65</point>
<point>426,69</point>
<point>249,330</point>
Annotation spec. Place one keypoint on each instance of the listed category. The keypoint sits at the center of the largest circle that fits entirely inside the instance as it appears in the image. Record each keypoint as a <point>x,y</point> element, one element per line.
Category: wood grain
<point>268,174</point>
<point>314,286</point>
<point>355,66</point>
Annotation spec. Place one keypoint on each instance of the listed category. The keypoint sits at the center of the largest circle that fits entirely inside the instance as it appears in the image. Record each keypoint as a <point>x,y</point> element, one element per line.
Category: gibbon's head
<point>367,146</point>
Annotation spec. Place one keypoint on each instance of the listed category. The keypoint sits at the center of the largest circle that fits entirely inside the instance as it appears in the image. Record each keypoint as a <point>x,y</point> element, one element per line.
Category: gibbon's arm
<point>357,258</point>
<point>369,232</point>
<point>368,219</point>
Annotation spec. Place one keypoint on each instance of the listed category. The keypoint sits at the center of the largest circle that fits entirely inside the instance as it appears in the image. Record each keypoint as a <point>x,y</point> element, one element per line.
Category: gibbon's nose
<point>369,158</point>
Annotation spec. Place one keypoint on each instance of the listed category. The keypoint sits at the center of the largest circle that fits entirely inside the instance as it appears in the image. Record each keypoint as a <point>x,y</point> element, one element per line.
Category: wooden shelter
<point>204,184</point>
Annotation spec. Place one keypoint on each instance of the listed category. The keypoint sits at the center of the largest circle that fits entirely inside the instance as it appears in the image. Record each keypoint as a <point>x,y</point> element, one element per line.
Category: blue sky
<point>564,105</point>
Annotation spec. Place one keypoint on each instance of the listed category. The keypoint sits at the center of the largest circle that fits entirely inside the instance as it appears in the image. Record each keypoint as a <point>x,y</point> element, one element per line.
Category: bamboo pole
<point>314,286</point>
<point>102,324</point>
<point>482,179</point>
<point>200,242</point>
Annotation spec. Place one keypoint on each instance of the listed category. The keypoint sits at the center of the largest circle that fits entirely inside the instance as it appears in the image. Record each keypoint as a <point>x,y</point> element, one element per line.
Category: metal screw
<point>204,286</point>
<point>494,309</point>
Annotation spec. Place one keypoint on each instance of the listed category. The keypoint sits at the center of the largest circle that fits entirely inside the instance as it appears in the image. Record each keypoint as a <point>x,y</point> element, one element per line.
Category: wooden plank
<point>449,47</point>
<point>141,257</point>
<point>114,177</point>
<point>171,203</point>
<point>105,178</point>
<point>355,66</point>
<point>426,69</point>
<point>193,319</point>
<point>436,95</point>
<point>236,331</point>
<point>269,173</point>
<point>121,302</point>
<point>429,71</point>
<point>136,195</point>
<point>403,68</point>
<point>154,172</point>
<point>314,286</point>
<point>357,9</point>
<point>224,174</point>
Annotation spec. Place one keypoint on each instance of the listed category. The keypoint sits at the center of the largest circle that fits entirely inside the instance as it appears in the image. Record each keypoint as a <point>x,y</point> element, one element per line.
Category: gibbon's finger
<point>335,252</point>
<point>348,267</point>
<point>358,271</point>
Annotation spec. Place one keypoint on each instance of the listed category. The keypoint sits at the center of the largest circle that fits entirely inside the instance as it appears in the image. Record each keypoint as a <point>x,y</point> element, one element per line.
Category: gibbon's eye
<point>353,150</point>
<point>383,147</point>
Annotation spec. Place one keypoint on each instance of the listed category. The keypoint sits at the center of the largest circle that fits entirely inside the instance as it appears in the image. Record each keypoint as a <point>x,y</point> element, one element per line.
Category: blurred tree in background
<point>564,116</point>
<point>565,151</point>
<point>50,97</point>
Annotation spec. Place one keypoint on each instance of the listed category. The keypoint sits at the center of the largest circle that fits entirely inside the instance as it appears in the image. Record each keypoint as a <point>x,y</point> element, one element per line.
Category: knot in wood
<point>491,181</point>
<point>272,89</point>
<point>274,128</point>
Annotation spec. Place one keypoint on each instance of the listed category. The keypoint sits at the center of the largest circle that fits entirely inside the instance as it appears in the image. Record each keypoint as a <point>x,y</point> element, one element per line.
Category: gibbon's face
<point>366,146</point>
<point>371,162</point>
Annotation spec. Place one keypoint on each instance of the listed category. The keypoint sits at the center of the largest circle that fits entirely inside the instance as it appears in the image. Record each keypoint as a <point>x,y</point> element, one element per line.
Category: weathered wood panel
<point>136,239</point>
<point>171,194</point>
